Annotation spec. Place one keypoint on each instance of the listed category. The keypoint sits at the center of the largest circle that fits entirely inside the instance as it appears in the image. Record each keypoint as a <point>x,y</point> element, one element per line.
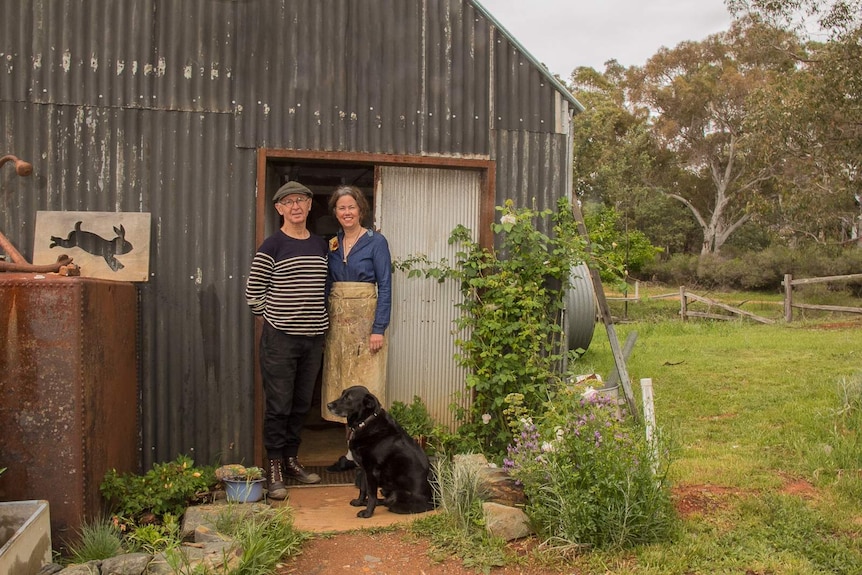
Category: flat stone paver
<point>327,509</point>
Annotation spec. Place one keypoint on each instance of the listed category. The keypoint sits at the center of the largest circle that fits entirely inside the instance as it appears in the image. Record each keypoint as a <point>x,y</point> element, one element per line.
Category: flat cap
<point>291,188</point>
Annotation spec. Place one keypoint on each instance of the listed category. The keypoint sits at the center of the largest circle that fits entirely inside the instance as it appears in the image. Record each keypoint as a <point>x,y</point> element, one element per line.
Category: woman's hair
<point>356,194</point>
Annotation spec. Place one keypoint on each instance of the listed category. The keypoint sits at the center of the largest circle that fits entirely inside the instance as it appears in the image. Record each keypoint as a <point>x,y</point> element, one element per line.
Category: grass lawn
<point>764,423</point>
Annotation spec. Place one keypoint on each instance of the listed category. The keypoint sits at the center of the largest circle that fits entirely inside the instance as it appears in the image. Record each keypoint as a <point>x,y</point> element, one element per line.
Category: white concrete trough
<point>25,536</point>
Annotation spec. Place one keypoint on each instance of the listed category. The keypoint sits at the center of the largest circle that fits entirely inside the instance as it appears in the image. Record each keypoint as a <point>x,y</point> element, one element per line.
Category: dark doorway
<point>322,178</point>
<point>323,441</point>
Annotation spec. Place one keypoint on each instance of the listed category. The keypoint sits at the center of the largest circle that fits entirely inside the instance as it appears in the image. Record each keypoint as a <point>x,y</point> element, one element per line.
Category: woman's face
<point>347,212</point>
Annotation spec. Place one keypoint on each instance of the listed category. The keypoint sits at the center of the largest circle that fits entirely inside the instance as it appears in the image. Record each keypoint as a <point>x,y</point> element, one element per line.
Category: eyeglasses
<point>290,203</point>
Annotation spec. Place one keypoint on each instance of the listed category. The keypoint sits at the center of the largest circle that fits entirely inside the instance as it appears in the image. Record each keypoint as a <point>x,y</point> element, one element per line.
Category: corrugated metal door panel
<point>417,208</point>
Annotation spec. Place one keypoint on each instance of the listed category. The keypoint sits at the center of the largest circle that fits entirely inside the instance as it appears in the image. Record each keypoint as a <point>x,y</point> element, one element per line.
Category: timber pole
<point>605,315</point>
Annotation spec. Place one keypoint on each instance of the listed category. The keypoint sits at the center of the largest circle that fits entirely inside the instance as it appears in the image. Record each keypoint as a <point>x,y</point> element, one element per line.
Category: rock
<point>506,522</point>
<point>499,487</point>
<point>204,534</point>
<point>209,515</point>
<point>217,557</point>
<point>88,568</point>
<point>494,483</point>
<point>475,460</point>
<point>129,564</point>
<point>160,566</point>
<point>502,496</point>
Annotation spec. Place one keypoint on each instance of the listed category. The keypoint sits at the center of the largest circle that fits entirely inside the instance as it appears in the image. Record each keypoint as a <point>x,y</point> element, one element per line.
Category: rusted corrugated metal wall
<point>390,76</point>
<point>160,105</point>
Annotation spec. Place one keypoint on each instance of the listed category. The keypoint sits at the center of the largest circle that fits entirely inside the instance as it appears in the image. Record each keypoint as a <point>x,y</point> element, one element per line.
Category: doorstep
<point>327,509</point>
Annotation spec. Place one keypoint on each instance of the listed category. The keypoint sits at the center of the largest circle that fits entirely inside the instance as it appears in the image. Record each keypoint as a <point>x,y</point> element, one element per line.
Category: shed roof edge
<point>544,71</point>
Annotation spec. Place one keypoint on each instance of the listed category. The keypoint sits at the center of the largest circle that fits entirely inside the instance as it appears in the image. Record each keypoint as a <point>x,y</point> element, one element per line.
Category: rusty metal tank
<point>68,392</point>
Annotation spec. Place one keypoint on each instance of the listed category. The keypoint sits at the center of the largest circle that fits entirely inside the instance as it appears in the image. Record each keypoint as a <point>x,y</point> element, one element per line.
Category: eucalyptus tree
<point>613,153</point>
<point>609,139</point>
<point>815,115</point>
<point>708,155</point>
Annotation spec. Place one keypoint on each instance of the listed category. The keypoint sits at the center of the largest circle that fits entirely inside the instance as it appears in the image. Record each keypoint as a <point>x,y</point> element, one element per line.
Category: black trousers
<point>289,365</point>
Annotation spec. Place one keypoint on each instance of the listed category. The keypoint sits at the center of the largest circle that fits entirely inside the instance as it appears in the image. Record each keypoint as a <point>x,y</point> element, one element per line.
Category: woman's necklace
<point>349,243</point>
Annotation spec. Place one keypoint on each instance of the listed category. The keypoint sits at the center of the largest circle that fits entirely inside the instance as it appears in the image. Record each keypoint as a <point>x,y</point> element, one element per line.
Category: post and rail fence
<point>789,282</point>
<point>685,296</point>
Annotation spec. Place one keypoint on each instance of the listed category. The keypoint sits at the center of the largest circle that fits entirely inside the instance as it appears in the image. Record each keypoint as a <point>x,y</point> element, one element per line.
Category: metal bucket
<point>242,491</point>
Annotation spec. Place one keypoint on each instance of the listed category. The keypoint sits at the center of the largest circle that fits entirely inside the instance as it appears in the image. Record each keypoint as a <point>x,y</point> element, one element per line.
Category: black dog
<point>388,458</point>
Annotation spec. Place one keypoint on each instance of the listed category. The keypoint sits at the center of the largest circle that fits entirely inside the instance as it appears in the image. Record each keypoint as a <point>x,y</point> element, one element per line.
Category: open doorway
<point>323,441</point>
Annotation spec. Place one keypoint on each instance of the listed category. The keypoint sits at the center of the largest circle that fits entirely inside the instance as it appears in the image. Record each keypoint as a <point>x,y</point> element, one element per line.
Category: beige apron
<point>347,360</point>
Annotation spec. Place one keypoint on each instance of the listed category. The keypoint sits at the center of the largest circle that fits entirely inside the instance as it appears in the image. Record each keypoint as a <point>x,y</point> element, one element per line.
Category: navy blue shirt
<point>369,261</point>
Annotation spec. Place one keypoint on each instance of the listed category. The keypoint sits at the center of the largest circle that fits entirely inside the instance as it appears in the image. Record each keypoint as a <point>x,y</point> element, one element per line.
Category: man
<point>287,287</point>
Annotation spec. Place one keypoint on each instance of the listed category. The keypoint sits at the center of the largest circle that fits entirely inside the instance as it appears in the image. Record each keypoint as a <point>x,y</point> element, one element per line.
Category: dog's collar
<point>361,425</point>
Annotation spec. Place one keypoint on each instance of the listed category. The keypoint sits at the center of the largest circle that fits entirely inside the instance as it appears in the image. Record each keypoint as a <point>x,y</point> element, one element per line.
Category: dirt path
<point>395,552</point>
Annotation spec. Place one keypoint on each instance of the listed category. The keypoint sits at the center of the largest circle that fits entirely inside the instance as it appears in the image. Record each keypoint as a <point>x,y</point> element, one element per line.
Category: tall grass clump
<point>101,539</point>
<point>835,456</point>
<point>459,526</point>
<point>458,489</point>
<point>590,476</point>
<point>265,539</point>
<point>848,425</point>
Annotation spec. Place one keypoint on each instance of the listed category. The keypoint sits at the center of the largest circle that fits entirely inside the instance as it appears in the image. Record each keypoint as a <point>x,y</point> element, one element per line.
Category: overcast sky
<point>565,34</point>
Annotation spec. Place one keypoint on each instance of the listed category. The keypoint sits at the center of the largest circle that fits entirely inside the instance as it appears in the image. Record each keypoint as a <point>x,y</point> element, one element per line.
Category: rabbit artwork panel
<point>105,245</point>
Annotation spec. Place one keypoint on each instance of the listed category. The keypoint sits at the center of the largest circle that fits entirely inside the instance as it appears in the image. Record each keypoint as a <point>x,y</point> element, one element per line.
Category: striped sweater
<point>287,284</point>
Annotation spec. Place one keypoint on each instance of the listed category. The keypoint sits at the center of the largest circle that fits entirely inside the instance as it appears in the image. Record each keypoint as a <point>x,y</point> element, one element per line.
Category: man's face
<point>294,208</point>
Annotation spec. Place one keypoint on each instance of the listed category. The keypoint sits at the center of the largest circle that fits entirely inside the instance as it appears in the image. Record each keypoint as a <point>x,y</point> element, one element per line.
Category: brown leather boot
<point>275,481</point>
<point>293,468</point>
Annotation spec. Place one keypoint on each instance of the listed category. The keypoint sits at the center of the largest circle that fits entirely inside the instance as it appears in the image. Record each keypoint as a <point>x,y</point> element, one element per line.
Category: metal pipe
<point>22,168</point>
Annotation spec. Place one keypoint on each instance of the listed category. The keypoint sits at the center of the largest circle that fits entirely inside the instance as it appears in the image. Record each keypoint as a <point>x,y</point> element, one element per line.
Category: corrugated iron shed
<point>162,106</point>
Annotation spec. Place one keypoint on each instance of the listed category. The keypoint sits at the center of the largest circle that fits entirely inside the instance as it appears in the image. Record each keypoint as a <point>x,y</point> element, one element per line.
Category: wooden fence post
<point>683,310</point>
<point>788,298</point>
<point>649,417</point>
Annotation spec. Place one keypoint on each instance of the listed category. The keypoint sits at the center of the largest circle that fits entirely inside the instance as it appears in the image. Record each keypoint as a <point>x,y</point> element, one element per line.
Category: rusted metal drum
<point>68,392</point>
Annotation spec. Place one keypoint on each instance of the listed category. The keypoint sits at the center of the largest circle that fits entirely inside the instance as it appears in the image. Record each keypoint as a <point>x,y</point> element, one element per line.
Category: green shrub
<point>590,476</point>
<point>413,417</point>
<point>624,249</point>
<point>677,270</point>
<point>762,270</point>
<point>154,538</point>
<point>168,488</point>
<point>513,297</point>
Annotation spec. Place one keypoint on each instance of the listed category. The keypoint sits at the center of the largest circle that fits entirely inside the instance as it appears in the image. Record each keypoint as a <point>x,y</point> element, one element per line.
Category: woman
<point>360,269</point>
